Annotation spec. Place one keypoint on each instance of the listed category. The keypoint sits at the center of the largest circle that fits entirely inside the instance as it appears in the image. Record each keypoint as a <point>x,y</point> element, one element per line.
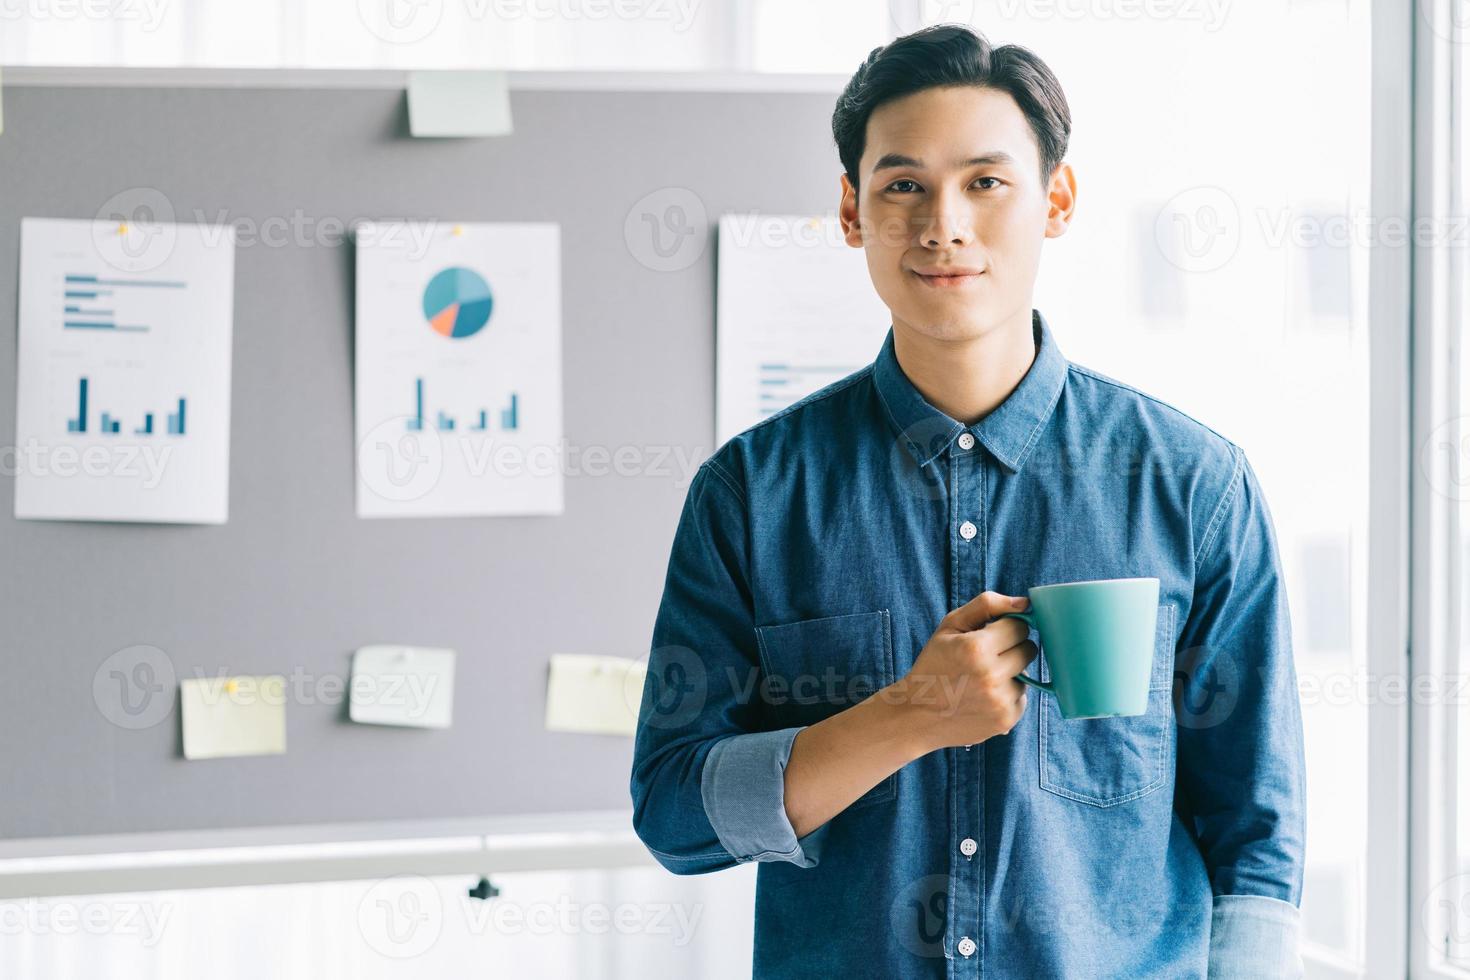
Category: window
<point>656,35</point>
<point>1218,260</point>
<point>1441,625</point>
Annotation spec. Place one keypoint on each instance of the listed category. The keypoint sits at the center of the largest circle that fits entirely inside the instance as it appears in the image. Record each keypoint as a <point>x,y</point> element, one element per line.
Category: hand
<point>962,688</point>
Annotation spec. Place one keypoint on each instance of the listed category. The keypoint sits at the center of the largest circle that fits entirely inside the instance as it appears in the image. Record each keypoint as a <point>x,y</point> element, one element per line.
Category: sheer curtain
<point>664,35</point>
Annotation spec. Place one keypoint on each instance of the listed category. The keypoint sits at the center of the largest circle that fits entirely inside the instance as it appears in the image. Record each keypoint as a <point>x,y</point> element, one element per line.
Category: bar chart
<point>795,312</point>
<point>127,367</point>
<point>444,422</point>
<point>91,302</point>
<point>458,370</point>
<point>108,422</point>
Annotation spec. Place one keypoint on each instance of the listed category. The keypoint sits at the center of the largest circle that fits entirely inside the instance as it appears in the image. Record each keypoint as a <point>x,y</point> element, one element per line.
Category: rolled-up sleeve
<point>708,779</point>
<point>1241,763</point>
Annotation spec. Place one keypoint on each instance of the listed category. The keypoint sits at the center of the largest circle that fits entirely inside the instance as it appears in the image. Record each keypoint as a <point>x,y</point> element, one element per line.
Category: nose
<point>948,223</point>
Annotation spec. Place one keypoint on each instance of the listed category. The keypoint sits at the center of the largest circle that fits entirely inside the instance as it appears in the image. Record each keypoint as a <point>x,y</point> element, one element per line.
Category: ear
<point>1061,197</point>
<point>847,212</point>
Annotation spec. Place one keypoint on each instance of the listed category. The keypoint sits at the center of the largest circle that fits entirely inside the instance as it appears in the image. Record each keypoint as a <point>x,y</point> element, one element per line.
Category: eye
<point>997,180</point>
<point>895,185</point>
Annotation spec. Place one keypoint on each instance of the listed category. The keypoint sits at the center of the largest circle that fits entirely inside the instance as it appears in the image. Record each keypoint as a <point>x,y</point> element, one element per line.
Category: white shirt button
<point>966,946</point>
<point>967,846</point>
<point>967,441</point>
<point>967,530</point>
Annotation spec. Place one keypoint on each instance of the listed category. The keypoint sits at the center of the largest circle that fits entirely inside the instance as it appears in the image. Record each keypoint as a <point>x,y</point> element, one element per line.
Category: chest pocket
<point>1107,761</point>
<point>815,668</point>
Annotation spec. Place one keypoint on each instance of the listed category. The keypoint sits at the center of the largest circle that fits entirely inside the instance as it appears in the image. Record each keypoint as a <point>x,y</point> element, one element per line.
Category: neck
<point>966,379</point>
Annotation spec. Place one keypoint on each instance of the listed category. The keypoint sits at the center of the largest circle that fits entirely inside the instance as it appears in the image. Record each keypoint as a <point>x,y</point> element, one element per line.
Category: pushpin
<point>122,228</point>
<point>484,889</point>
<point>231,686</point>
<point>457,231</point>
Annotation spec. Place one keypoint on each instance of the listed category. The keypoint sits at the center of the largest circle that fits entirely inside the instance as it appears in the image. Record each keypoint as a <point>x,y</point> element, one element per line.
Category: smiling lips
<point>948,276</point>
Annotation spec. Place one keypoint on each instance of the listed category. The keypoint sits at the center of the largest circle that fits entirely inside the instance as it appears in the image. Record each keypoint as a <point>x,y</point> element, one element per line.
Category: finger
<point>982,609</point>
<point>1013,661</point>
<point>1020,706</point>
<point>999,635</point>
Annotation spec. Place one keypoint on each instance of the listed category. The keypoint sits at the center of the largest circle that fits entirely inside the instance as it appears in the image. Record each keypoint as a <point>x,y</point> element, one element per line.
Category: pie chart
<point>457,302</point>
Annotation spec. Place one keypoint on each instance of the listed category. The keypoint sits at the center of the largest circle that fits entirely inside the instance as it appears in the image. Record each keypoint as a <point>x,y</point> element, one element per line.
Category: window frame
<point>1435,575</point>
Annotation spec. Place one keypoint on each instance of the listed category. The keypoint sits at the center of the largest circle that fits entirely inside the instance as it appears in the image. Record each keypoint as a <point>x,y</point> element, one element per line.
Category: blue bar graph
<point>88,325</point>
<point>813,368</point>
<point>95,281</point>
<point>416,424</point>
<point>444,422</point>
<point>176,420</point>
<point>83,286</point>
<point>79,424</point>
<point>108,423</point>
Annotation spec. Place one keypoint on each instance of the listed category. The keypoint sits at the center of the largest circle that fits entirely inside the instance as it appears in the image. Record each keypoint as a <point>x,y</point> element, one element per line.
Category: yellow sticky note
<point>228,716</point>
<point>597,694</point>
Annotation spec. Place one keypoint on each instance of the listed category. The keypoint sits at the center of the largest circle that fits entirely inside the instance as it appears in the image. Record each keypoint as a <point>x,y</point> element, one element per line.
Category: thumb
<point>982,609</point>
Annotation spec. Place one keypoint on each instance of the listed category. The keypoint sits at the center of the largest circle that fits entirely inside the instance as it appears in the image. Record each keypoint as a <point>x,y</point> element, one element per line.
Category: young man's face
<point>922,207</point>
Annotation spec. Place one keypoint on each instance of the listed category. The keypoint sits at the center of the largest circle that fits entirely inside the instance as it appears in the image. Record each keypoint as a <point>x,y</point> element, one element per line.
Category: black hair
<point>948,55</point>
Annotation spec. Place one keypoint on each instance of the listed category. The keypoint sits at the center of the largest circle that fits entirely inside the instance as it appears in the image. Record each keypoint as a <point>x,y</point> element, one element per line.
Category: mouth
<point>948,280</point>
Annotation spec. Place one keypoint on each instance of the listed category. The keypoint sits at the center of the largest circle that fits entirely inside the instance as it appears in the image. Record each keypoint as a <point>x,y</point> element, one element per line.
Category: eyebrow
<point>889,161</point>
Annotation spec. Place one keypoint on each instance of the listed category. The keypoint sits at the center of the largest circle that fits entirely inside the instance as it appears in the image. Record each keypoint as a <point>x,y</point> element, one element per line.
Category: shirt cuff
<point>1255,937</point>
<point>744,791</point>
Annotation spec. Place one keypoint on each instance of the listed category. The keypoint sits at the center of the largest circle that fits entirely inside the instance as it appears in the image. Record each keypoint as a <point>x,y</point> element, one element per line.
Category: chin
<point>961,324</point>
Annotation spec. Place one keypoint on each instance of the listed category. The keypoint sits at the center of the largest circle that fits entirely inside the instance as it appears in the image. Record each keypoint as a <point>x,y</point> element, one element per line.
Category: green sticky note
<point>458,103</point>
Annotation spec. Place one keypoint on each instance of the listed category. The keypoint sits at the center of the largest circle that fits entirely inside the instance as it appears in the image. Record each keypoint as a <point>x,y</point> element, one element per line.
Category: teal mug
<point>1098,639</point>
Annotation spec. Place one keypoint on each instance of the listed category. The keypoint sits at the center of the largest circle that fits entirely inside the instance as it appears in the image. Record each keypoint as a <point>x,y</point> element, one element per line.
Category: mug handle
<point>1029,620</point>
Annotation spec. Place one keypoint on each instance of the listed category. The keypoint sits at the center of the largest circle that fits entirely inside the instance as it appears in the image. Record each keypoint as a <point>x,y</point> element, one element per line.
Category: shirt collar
<point>1009,431</point>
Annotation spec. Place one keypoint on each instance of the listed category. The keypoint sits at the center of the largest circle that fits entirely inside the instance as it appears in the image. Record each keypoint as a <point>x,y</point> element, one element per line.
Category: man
<point>831,692</point>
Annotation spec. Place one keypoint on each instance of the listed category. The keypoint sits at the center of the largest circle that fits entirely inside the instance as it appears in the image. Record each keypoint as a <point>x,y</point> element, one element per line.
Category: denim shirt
<point>816,554</point>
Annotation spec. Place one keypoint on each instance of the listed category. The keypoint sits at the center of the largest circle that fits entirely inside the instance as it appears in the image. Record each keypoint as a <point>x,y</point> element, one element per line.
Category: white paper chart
<point>458,369</point>
<point>796,311</point>
<point>123,387</point>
